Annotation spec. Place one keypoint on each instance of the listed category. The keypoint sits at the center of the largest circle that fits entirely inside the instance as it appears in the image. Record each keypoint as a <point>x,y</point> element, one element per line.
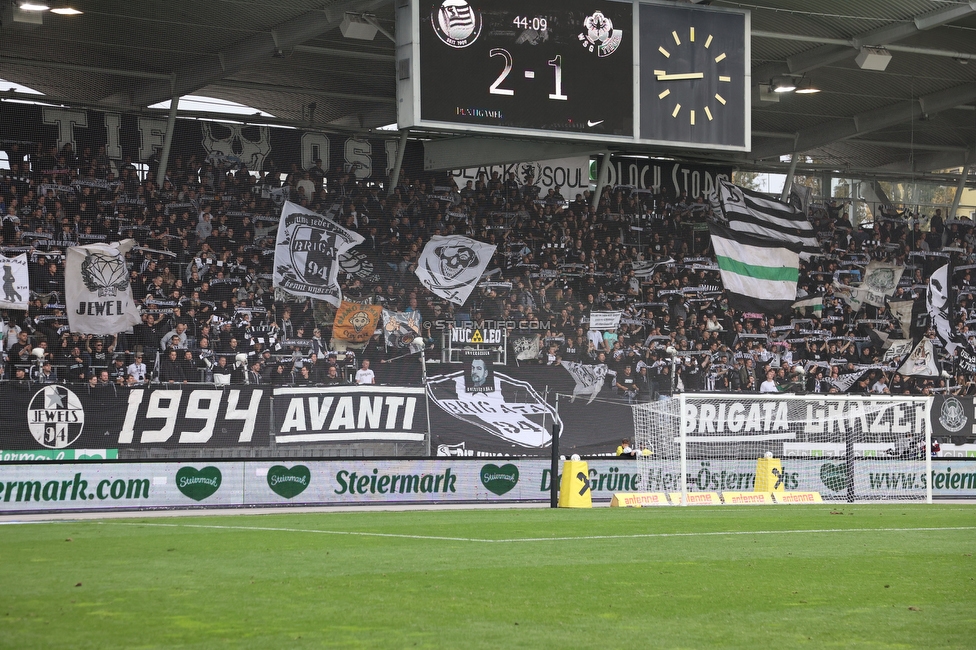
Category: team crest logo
<point>599,36</point>
<point>104,273</point>
<point>952,415</point>
<point>313,252</point>
<point>881,281</point>
<point>55,417</point>
<point>512,410</point>
<point>456,23</point>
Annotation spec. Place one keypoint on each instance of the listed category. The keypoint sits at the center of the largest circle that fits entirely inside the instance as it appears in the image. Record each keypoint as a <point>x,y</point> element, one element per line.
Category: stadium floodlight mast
<point>849,448</point>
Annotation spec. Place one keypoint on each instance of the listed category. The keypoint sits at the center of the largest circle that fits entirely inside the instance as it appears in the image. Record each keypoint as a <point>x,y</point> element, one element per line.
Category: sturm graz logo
<point>952,415</point>
<point>456,23</point>
<point>882,280</point>
<point>104,273</point>
<point>313,252</point>
<point>55,417</point>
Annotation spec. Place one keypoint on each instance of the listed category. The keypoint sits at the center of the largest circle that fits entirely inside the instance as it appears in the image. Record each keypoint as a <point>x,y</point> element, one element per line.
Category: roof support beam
<point>927,163</point>
<point>192,77</point>
<point>837,50</point>
<point>298,90</point>
<point>827,54</point>
<point>873,120</point>
<point>459,153</point>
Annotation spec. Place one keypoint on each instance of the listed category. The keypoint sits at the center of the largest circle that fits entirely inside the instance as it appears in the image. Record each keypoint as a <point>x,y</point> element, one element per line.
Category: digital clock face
<point>512,65</point>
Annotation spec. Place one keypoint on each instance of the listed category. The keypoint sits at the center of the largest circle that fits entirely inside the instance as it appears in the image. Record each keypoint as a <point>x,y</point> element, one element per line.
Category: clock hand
<point>679,77</point>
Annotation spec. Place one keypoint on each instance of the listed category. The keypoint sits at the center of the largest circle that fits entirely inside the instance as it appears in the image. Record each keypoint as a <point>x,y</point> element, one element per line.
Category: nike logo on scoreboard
<point>592,123</point>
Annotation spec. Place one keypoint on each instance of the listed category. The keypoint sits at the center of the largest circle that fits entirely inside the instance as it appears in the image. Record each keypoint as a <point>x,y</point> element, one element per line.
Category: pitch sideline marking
<point>545,539</point>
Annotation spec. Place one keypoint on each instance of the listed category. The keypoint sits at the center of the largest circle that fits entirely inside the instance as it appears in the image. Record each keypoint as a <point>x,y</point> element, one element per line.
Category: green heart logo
<point>833,476</point>
<point>499,480</point>
<point>289,482</point>
<point>198,484</point>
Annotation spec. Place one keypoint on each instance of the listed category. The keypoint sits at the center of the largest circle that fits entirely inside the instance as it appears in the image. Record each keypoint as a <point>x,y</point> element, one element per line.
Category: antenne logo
<point>104,273</point>
<point>456,23</point>
<point>55,417</point>
<point>599,35</point>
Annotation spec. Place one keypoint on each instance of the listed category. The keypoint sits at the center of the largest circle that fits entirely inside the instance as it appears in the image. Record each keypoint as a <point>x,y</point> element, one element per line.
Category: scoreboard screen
<point>609,71</point>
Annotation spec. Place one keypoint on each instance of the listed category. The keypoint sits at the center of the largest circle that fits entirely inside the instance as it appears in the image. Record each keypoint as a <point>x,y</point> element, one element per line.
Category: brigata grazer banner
<point>133,485</point>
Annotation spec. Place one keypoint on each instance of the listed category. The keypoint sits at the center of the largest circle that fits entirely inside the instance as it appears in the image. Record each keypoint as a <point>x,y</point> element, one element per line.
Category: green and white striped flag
<point>759,275</point>
<point>809,306</point>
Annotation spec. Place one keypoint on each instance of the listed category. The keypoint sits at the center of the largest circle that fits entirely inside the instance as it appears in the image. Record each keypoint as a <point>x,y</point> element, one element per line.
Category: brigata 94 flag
<point>97,290</point>
<point>451,266</point>
<point>307,251</point>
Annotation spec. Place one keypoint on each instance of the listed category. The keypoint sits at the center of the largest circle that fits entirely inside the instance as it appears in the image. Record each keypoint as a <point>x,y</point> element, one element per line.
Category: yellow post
<point>769,475</point>
<point>574,488</point>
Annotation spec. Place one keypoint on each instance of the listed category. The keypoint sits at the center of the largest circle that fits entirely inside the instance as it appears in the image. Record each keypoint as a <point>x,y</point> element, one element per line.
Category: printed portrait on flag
<point>479,376</point>
<point>307,251</point>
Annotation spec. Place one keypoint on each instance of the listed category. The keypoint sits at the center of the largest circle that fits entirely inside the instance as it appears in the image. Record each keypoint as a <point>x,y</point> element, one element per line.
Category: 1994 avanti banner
<point>512,413</point>
<point>466,411</point>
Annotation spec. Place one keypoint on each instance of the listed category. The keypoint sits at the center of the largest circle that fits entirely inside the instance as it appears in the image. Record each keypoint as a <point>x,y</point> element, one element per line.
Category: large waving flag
<point>307,250</point>
<point>758,215</point>
<point>97,289</point>
<point>940,301</point>
<point>759,275</point>
<point>356,322</point>
<point>451,266</point>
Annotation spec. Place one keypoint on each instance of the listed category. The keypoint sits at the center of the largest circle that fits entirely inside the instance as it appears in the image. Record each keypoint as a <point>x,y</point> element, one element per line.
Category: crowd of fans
<point>202,274</point>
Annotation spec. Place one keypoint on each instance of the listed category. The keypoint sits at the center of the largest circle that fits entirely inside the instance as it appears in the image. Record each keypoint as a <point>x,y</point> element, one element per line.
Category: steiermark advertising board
<point>125,485</point>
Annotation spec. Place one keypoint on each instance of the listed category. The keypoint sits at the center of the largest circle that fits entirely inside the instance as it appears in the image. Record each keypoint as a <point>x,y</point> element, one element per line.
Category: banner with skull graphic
<point>451,266</point>
<point>97,289</point>
<point>307,253</point>
<point>356,322</point>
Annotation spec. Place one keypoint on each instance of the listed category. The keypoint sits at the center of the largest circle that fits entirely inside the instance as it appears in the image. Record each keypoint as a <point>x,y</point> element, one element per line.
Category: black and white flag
<point>402,329</point>
<point>307,252</point>
<point>16,288</point>
<point>526,347</point>
<point>451,266</point>
<point>921,362</point>
<point>765,218</point>
<point>97,289</point>
<point>589,379</point>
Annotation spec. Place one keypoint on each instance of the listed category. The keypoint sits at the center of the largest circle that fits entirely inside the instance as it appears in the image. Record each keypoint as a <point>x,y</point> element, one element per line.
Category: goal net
<point>846,448</point>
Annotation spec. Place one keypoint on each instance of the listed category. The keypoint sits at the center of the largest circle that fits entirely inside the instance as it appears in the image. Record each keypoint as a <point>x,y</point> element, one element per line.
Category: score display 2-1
<point>523,64</point>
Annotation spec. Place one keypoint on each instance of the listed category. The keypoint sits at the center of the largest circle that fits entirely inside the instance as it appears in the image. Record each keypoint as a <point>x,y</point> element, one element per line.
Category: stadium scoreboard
<point>607,71</point>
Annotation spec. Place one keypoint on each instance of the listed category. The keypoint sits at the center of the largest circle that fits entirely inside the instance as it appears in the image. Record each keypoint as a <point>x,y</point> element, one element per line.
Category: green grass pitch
<point>878,576</point>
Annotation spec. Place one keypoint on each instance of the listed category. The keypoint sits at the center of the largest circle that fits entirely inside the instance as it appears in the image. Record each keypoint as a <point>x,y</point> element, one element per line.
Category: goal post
<point>847,448</point>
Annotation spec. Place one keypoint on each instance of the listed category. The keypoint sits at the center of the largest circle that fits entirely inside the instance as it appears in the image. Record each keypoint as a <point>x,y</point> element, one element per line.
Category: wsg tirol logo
<point>456,23</point>
<point>55,417</point>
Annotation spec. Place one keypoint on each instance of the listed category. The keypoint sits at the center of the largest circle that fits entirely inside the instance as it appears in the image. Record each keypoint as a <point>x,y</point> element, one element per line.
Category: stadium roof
<point>290,59</point>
